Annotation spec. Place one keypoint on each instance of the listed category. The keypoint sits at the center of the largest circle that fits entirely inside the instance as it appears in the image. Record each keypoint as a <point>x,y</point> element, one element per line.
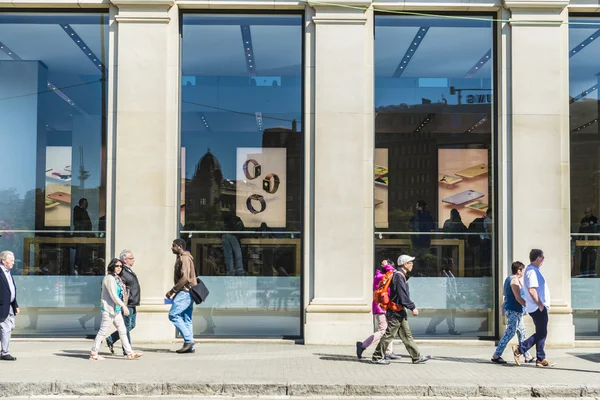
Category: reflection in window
<point>241,168</point>
<point>584,70</point>
<point>434,162</point>
<point>53,70</point>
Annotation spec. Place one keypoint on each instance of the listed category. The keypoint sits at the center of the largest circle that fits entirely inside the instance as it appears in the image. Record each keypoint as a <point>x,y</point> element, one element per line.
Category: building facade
<point>294,145</point>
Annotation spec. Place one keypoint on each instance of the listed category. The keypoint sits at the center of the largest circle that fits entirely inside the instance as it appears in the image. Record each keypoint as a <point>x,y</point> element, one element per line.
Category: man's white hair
<point>4,255</point>
<point>124,254</point>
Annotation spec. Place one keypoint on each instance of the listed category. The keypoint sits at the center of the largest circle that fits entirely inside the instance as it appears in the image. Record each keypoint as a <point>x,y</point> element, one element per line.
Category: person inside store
<point>232,249</point>
<point>588,224</point>
<point>452,301</point>
<point>421,221</point>
<point>82,222</point>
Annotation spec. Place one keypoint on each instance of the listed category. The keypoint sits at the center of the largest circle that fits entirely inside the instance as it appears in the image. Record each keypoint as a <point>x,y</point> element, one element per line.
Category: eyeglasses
<point>131,258</point>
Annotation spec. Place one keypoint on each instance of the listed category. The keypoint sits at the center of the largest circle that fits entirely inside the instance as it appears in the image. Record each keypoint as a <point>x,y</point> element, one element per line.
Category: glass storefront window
<point>584,72</point>
<point>242,170</point>
<point>53,69</point>
<point>434,162</point>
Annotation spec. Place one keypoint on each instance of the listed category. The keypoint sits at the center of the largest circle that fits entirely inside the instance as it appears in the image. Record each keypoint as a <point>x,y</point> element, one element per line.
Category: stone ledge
<point>13,389</point>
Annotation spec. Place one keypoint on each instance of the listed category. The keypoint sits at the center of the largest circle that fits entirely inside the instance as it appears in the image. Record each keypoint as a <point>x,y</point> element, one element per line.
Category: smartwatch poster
<point>58,187</point>
<point>463,176</point>
<point>261,186</point>
<point>381,188</point>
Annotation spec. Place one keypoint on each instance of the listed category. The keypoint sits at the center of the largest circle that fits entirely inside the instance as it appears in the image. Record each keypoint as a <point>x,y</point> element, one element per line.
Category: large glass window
<point>434,162</point>
<point>242,170</point>
<point>584,65</point>
<point>53,70</point>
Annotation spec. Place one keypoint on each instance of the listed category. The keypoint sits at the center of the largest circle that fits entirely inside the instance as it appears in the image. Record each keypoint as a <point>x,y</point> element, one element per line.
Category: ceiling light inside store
<point>248,49</point>
<point>480,63</point>
<point>416,42</point>
<point>584,43</point>
<point>84,48</point>
<point>583,94</point>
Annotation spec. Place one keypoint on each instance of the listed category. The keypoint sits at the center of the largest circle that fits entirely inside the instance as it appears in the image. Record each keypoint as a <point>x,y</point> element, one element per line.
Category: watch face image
<point>271,186</point>
<point>251,169</point>
<point>252,201</point>
<point>381,175</point>
<point>462,197</point>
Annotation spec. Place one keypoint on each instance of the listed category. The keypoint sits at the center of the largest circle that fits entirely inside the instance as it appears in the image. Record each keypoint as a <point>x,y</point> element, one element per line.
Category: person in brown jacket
<point>183,305</point>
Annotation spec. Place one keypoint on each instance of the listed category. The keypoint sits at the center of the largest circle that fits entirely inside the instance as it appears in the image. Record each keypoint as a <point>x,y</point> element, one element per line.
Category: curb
<point>12,389</point>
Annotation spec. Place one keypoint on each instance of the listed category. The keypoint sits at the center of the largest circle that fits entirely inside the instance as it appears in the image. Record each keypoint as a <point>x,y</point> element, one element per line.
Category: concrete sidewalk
<point>280,369</point>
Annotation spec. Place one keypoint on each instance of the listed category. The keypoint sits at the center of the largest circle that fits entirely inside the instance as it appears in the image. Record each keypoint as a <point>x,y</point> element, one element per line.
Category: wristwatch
<point>267,187</point>
<point>258,198</point>
<point>255,168</point>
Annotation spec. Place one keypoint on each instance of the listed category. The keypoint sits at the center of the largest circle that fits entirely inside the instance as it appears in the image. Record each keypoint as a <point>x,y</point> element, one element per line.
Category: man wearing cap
<point>397,320</point>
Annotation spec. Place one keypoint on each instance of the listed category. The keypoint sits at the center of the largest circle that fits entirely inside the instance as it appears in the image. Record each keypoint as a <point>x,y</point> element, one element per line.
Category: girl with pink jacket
<point>379,314</point>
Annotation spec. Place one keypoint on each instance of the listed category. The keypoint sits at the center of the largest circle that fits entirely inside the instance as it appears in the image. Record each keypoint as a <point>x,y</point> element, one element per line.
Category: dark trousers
<point>538,339</point>
<point>588,261</point>
<point>397,326</point>
<point>130,321</point>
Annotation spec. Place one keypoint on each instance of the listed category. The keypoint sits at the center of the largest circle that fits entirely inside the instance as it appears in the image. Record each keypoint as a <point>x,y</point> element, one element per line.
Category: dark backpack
<point>475,230</point>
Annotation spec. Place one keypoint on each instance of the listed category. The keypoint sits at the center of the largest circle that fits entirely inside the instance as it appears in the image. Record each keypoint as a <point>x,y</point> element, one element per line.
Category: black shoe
<point>430,331</point>
<point>498,360</point>
<point>359,350</point>
<point>422,359</point>
<point>187,348</point>
<point>110,347</point>
<point>8,357</point>
<point>454,333</point>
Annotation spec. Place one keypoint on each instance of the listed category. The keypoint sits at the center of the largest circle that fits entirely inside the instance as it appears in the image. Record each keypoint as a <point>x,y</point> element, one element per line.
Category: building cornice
<point>535,4</point>
<point>340,3</point>
<point>143,3</point>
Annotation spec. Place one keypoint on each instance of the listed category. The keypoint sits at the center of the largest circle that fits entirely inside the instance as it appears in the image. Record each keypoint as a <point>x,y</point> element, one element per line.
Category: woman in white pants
<point>111,306</point>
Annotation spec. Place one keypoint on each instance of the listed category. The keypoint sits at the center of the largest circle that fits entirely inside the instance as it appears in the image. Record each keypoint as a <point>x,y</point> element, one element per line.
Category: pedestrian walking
<point>514,308</point>
<point>113,292</point>
<point>379,315</point>
<point>397,315</point>
<point>132,286</point>
<point>183,305</point>
<point>537,299</point>
<point>8,305</point>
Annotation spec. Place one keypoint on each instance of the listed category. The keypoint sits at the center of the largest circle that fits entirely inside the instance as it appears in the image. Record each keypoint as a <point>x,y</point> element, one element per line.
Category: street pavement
<point>288,370</point>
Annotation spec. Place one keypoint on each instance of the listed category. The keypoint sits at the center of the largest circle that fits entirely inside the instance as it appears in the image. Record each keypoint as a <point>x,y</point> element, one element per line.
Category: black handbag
<point>199,292</point>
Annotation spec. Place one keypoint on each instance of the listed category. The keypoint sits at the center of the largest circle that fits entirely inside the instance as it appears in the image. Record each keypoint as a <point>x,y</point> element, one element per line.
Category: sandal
<point>96,357</point>
<point>133,356</point>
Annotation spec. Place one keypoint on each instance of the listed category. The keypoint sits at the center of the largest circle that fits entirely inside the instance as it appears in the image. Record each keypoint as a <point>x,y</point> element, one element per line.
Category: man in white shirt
<point>8,304</point>
<point>537,304</point>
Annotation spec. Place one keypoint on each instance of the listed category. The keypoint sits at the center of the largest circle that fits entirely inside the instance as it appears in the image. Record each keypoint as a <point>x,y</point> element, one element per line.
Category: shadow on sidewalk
<point>588,357</point>
<point>74,354</point>
<point>148,350</point>
<point>341,357</point>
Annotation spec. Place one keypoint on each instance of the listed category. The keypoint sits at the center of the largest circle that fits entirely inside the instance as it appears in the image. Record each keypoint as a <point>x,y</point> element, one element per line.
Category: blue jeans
<point>514,325</point>
<point>130,321</point>
<point>181,315</point>
<point>233,255</point>
<point>538,339</point>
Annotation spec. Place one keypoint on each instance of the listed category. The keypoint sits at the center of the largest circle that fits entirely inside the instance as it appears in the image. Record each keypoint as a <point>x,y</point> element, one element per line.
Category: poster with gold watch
<point>261,186</point>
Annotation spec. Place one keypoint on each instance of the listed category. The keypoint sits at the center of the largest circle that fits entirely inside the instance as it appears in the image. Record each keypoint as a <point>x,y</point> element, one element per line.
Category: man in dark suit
<point>8,303</point>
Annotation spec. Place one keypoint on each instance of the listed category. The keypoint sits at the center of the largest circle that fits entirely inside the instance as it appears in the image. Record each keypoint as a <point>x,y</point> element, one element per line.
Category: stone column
<point>145,210</point>
<point>539,130</point>
<point>342,151</point>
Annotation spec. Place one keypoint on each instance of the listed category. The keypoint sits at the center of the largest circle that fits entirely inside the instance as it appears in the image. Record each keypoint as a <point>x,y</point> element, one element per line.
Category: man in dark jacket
<point>8,303</point>
<point>132,284</point>
<point>397,320</point>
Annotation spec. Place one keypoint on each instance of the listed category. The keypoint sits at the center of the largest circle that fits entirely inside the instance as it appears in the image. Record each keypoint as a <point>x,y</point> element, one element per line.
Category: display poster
<point>58,186</point>
<point>463,184</point>
<point>261,185</point>
<point>381,188</point>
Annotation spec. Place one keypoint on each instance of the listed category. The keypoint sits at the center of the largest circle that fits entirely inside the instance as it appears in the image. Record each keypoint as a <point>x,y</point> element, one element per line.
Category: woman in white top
<point>113,293</point>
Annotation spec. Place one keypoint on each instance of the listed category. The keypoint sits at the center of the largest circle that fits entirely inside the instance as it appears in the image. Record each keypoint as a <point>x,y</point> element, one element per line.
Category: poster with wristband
<point>261,186</point>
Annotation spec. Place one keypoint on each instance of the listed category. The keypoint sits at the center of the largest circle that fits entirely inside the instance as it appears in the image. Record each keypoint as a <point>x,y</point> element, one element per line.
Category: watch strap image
<point>250,206</point>
<point>251,169</point>
<point>271,187</point>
